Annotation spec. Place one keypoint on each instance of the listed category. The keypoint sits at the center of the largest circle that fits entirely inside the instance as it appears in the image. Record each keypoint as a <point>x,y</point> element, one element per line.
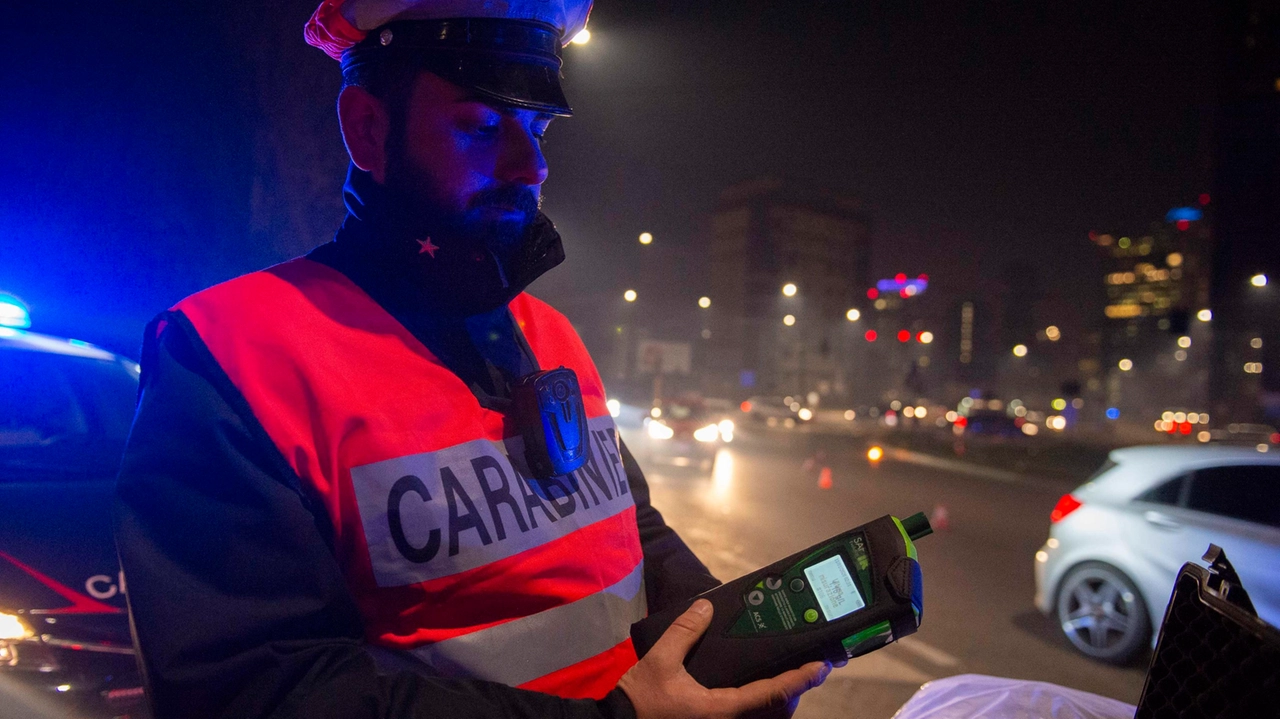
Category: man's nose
<point>521,161</point>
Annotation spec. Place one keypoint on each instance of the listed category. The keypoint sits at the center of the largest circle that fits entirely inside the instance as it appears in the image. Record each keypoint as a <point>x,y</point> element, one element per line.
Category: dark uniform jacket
<point>231,563</point>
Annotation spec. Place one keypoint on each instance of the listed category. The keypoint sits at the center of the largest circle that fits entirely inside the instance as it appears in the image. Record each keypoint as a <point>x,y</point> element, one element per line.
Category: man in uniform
<point>381,480</point>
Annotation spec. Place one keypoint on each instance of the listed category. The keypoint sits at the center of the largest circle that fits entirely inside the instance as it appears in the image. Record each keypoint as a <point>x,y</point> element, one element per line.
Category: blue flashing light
<point>13,313</point>
<point>1190,214</point>
<point>975,393</point>
<point>1113,413</point>
<point>893,285</point>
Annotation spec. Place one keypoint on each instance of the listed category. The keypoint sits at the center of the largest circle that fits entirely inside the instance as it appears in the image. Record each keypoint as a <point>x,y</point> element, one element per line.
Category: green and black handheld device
<point>836,600</point>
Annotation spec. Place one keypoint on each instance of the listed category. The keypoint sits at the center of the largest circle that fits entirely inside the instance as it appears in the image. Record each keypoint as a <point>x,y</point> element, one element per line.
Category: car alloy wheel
<point>1101,613</point>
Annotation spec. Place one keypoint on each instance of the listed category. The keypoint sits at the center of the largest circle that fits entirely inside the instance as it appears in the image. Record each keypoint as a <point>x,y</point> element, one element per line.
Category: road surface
<point>762,501</point>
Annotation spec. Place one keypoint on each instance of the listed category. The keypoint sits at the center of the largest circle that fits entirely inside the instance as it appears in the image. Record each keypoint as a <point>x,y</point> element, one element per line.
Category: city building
<point>1245,377</point>
<point>787,268</point>
<point>1155,348</point>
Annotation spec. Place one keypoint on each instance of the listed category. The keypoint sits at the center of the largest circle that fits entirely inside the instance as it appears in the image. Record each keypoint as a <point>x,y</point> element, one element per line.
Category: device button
<point>811,615</point>
<point>797,585</point>
<point>755,598</point>
<point>773,582</point>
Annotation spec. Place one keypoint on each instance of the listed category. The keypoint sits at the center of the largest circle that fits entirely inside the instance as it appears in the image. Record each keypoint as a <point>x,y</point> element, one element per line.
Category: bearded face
<point>466,171</point>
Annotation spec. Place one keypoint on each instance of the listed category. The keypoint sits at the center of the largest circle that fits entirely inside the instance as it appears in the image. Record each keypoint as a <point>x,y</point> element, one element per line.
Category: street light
<point>1258,280</point>
<point>646,238</point>
<point>1204,315</point>
<point>629,295</point>
<point>1019,350</point>
<point>925,337</point>
<point>789,290</point>
<point>704,302</point>
<point>853,315</point>
<point>789,320</point>
<point>582,38</point>
<point>1125,365</point>
<point>1053,333</point>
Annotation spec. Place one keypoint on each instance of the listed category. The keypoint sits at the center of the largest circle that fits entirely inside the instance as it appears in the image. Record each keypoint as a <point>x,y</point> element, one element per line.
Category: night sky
<point>150,150</point>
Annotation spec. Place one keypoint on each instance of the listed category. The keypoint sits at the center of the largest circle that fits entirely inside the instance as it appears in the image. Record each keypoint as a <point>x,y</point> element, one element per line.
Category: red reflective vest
<point>450,552</point>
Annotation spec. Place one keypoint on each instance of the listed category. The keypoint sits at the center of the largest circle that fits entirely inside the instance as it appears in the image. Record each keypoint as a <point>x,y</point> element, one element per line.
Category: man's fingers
<point>779,690</point>
<point>683,633</point>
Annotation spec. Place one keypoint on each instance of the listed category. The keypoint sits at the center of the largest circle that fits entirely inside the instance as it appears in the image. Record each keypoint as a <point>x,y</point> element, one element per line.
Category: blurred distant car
<point>65,411</point>
<point>992,423</point>
<point>1116,543</point>
<point>774,411</point>
<point>685,430</point>
<point>1245,433</point>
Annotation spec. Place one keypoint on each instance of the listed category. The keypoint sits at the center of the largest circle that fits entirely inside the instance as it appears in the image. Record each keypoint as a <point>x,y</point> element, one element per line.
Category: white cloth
<point>969,696</point>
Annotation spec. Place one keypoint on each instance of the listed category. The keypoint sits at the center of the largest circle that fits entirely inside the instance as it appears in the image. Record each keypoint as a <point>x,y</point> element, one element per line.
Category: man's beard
<point>484,224</point>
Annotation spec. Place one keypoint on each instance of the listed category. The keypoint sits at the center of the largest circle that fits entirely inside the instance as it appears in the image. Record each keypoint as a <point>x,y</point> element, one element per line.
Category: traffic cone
<point>939,519</point>
<point>824,478</point>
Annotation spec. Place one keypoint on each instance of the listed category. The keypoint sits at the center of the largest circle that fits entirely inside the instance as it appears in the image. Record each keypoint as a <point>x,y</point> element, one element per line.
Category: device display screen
<point>836,592</point>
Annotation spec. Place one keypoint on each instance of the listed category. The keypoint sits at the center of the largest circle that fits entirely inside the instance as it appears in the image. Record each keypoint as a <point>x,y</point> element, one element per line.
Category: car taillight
<point>1065,506</point>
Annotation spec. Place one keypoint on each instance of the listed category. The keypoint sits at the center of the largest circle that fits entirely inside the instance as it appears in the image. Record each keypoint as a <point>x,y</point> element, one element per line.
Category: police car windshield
<point>62,415</point>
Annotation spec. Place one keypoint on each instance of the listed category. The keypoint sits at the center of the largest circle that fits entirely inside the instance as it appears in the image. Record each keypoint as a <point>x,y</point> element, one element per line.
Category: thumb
<point>683,633</point>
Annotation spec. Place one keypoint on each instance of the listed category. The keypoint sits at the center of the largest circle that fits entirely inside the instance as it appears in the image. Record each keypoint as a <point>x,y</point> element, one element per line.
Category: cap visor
<point>525,84</point>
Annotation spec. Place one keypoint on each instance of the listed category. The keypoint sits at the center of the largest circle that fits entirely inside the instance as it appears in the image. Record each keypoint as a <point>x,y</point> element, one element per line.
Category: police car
<point>65,411</point>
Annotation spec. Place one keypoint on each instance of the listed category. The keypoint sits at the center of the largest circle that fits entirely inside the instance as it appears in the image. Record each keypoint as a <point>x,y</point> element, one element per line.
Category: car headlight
<point>658,430</point>
<point>726,430</point>
<point>710,433</point>
<point>12,627</point>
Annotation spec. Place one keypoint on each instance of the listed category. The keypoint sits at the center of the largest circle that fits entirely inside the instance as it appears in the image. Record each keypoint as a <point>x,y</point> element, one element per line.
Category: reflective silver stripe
<point>524,649</point>
<point>435,514</point>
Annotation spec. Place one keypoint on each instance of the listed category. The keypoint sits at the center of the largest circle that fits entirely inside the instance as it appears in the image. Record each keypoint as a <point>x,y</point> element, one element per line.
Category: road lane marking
<point>927,652</point>
<point>955,465</point>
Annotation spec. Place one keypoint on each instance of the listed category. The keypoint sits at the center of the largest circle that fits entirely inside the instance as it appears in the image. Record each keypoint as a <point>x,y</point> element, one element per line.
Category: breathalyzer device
<point>841,598</point>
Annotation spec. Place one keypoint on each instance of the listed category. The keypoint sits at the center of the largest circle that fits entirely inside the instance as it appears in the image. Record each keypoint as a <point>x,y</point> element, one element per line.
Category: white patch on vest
<point>434,514</point>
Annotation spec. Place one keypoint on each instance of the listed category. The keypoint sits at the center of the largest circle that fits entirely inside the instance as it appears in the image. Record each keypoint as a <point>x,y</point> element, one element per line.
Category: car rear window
<point>1248,492</point>
<point>62,414</point>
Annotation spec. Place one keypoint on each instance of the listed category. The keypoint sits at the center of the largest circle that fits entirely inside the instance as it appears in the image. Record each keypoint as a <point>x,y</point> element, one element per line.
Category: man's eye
<point>487,129</point>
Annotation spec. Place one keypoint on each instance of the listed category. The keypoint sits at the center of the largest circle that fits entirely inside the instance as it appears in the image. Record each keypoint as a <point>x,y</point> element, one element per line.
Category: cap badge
<point>385,36</point>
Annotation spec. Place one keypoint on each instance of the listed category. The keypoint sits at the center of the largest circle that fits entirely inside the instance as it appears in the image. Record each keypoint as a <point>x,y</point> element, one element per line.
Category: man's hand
<point>660,688</point>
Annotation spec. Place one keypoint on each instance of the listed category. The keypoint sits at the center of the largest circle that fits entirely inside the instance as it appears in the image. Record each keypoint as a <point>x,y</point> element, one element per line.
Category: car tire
<point>1102,614</point>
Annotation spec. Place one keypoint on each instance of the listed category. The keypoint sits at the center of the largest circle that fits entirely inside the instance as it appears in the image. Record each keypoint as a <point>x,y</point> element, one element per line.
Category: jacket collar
<point>393,255</point>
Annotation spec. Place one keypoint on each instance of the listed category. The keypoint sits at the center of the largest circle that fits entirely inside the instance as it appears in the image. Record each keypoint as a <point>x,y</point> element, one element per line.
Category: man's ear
<point>365,126</point>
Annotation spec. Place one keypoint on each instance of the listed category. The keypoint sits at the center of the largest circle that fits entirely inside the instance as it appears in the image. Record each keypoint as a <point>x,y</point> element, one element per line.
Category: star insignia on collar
<point>427,247</point>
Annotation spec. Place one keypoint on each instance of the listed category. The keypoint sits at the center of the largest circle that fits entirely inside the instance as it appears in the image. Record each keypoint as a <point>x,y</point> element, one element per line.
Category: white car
<point>1116,543</point>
